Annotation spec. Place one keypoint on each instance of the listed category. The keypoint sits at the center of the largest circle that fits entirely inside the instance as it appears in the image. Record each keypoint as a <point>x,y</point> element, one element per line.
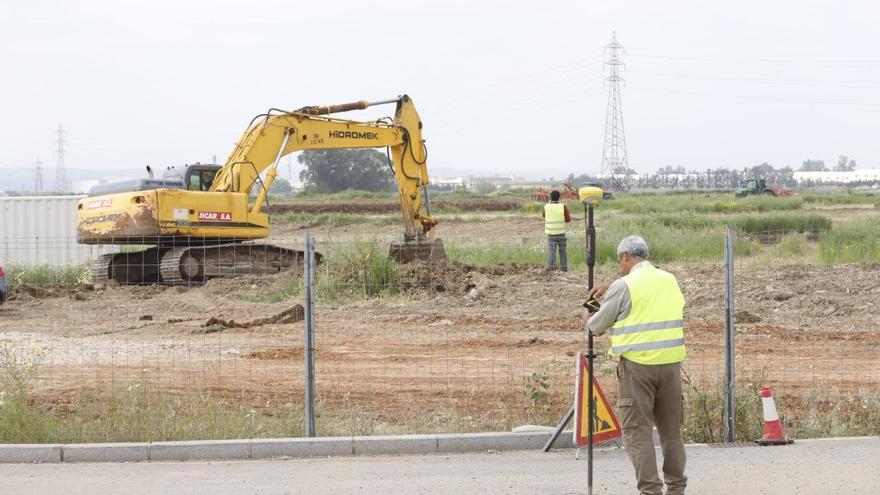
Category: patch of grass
<point>17,275</point>
<point>792,245</point>
<point>532,208</point>
<point>667,245</point>
<point>750,223</point>
<point>289,288</point>
<point>527,250</point>
<point>448,210</point>
<point>841,198</point>
<point>136,413</point>
<point>361,269</point>
<point>755,224</point>
<point>704,412</point>
<point>700,203</point>
<point>842,414</point>
<point>689,221</point>
<point>855,242</point>
<point>837,414</point>
<point>751,204</point>
<point>346,194</point>
<point>329,219</point>
<point>456,193</point>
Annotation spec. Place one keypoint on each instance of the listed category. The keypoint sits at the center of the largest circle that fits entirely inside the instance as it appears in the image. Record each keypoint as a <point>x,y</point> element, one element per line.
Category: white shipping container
<point>41,230</point>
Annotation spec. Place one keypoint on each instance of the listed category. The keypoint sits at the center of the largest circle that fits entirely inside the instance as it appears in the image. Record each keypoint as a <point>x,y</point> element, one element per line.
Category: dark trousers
<point>651,395</point>
<point>557,242</point>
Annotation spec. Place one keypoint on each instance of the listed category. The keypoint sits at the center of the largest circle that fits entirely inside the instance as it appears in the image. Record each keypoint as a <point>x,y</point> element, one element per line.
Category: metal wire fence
<point>807,325</point>
<point>486,341</point>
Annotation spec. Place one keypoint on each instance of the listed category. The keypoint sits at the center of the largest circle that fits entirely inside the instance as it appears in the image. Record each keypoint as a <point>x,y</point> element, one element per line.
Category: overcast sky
<point>502,87</point>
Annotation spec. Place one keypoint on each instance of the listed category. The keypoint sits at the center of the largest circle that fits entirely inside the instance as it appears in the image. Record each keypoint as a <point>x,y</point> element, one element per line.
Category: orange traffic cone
<point>773,433</point>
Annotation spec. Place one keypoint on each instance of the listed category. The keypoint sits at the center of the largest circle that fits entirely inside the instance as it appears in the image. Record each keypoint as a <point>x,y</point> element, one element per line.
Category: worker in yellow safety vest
<point>555,217</point>
<point>645,312</point>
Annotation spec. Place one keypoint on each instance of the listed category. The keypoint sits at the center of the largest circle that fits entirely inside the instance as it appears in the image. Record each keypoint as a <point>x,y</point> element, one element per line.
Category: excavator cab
<point>195,177</point>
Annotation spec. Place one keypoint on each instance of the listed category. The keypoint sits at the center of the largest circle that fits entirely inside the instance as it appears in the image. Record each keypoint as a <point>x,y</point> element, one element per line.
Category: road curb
<point>106,452</point>
<point>269,448</point>
<point>31,453</point>
<point>273,448</point>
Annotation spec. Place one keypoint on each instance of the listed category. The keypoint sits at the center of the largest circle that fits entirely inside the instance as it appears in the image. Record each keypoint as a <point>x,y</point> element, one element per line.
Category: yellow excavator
<point>197,219</point>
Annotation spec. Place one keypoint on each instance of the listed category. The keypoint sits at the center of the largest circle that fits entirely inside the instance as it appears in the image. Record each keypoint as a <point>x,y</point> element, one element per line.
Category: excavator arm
<point>273,135</point>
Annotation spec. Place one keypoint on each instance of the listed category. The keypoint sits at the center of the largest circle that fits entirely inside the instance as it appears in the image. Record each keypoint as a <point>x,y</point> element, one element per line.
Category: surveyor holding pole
<point>645,312</point>
<point>555,217</point>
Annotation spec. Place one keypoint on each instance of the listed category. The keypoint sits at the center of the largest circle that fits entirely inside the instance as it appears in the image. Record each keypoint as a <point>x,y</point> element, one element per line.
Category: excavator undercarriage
<point>194,264</point>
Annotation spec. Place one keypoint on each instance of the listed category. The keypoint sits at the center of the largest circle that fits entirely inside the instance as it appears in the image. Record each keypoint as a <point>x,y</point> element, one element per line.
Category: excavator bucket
<point>426,250</point>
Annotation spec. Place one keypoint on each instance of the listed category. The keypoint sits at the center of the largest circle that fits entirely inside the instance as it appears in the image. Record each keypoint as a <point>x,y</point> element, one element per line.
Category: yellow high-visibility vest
<point>653,331</point>
<point>554,219</point>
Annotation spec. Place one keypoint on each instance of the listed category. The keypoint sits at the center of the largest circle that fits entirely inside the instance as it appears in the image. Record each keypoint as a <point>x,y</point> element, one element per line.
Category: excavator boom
<point>271,136</point>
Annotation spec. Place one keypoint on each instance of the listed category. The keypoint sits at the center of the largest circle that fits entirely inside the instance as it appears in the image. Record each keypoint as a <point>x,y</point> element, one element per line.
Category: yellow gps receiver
<point>590,195</point>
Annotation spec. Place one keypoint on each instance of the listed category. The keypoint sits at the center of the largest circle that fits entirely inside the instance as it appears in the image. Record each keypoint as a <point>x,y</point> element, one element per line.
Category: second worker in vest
<point>555,217</point>
<point>645,312</point>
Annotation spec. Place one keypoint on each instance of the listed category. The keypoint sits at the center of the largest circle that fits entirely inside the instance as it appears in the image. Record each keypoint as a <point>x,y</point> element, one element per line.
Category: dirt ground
<point>502,354</point>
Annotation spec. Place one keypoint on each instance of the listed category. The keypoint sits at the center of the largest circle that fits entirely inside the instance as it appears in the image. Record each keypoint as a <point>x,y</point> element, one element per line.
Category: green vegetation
<point>841,414</point>
<point>288,288</point>
<point>699,203</point>
<point>755,224</point>
<point>356,270</point>
<point>749,224</point>
<point>18,275</point>
<point>856,242</point>
<point>130,414</point>
<point>837,414</point>
<point>329,219</point>
<point>362,269</point>
<point>138,414</point>
<point>704,412</point>
<point>842,199</point>
<point>346,194</point>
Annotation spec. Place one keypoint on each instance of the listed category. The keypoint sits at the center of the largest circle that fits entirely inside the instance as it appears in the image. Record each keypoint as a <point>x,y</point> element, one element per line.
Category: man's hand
<point>597,291</point>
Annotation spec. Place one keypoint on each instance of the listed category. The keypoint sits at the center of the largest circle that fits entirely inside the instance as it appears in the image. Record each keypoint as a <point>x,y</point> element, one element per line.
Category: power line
<point>538,76</point>
<point>615,164</point>
<point>760,80</point>
<point>760,97</point>
<point>836,64</point>
<point>526,99</point>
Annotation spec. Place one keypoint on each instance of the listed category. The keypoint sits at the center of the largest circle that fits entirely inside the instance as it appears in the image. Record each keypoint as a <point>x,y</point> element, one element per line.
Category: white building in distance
<point>835,177</point>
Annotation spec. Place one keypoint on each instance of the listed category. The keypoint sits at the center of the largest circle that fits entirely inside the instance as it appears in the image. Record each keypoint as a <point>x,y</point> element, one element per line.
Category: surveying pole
<point>590,196</point>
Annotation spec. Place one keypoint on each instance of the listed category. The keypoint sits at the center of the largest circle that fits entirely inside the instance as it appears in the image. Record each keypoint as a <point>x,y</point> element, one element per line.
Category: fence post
<point>729,341</point>
<point>309,334</point>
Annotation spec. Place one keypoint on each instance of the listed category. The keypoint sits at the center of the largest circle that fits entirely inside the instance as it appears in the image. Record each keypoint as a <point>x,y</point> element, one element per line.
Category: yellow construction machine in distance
<point>198,218</point>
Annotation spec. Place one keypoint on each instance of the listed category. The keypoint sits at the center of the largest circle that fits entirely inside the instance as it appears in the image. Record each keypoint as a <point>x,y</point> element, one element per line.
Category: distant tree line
<point>844,164</point>
<point>368,169</point>
<point>679,177</point>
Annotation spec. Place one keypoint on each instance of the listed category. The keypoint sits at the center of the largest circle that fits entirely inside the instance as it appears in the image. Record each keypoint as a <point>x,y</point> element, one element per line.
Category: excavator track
<point>196,264</point>
<point>169,266</point>
<point>100,268</point>
<point>132,268</point>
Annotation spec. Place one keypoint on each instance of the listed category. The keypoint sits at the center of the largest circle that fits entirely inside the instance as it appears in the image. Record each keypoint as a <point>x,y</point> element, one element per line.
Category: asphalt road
<point>850,466</point>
